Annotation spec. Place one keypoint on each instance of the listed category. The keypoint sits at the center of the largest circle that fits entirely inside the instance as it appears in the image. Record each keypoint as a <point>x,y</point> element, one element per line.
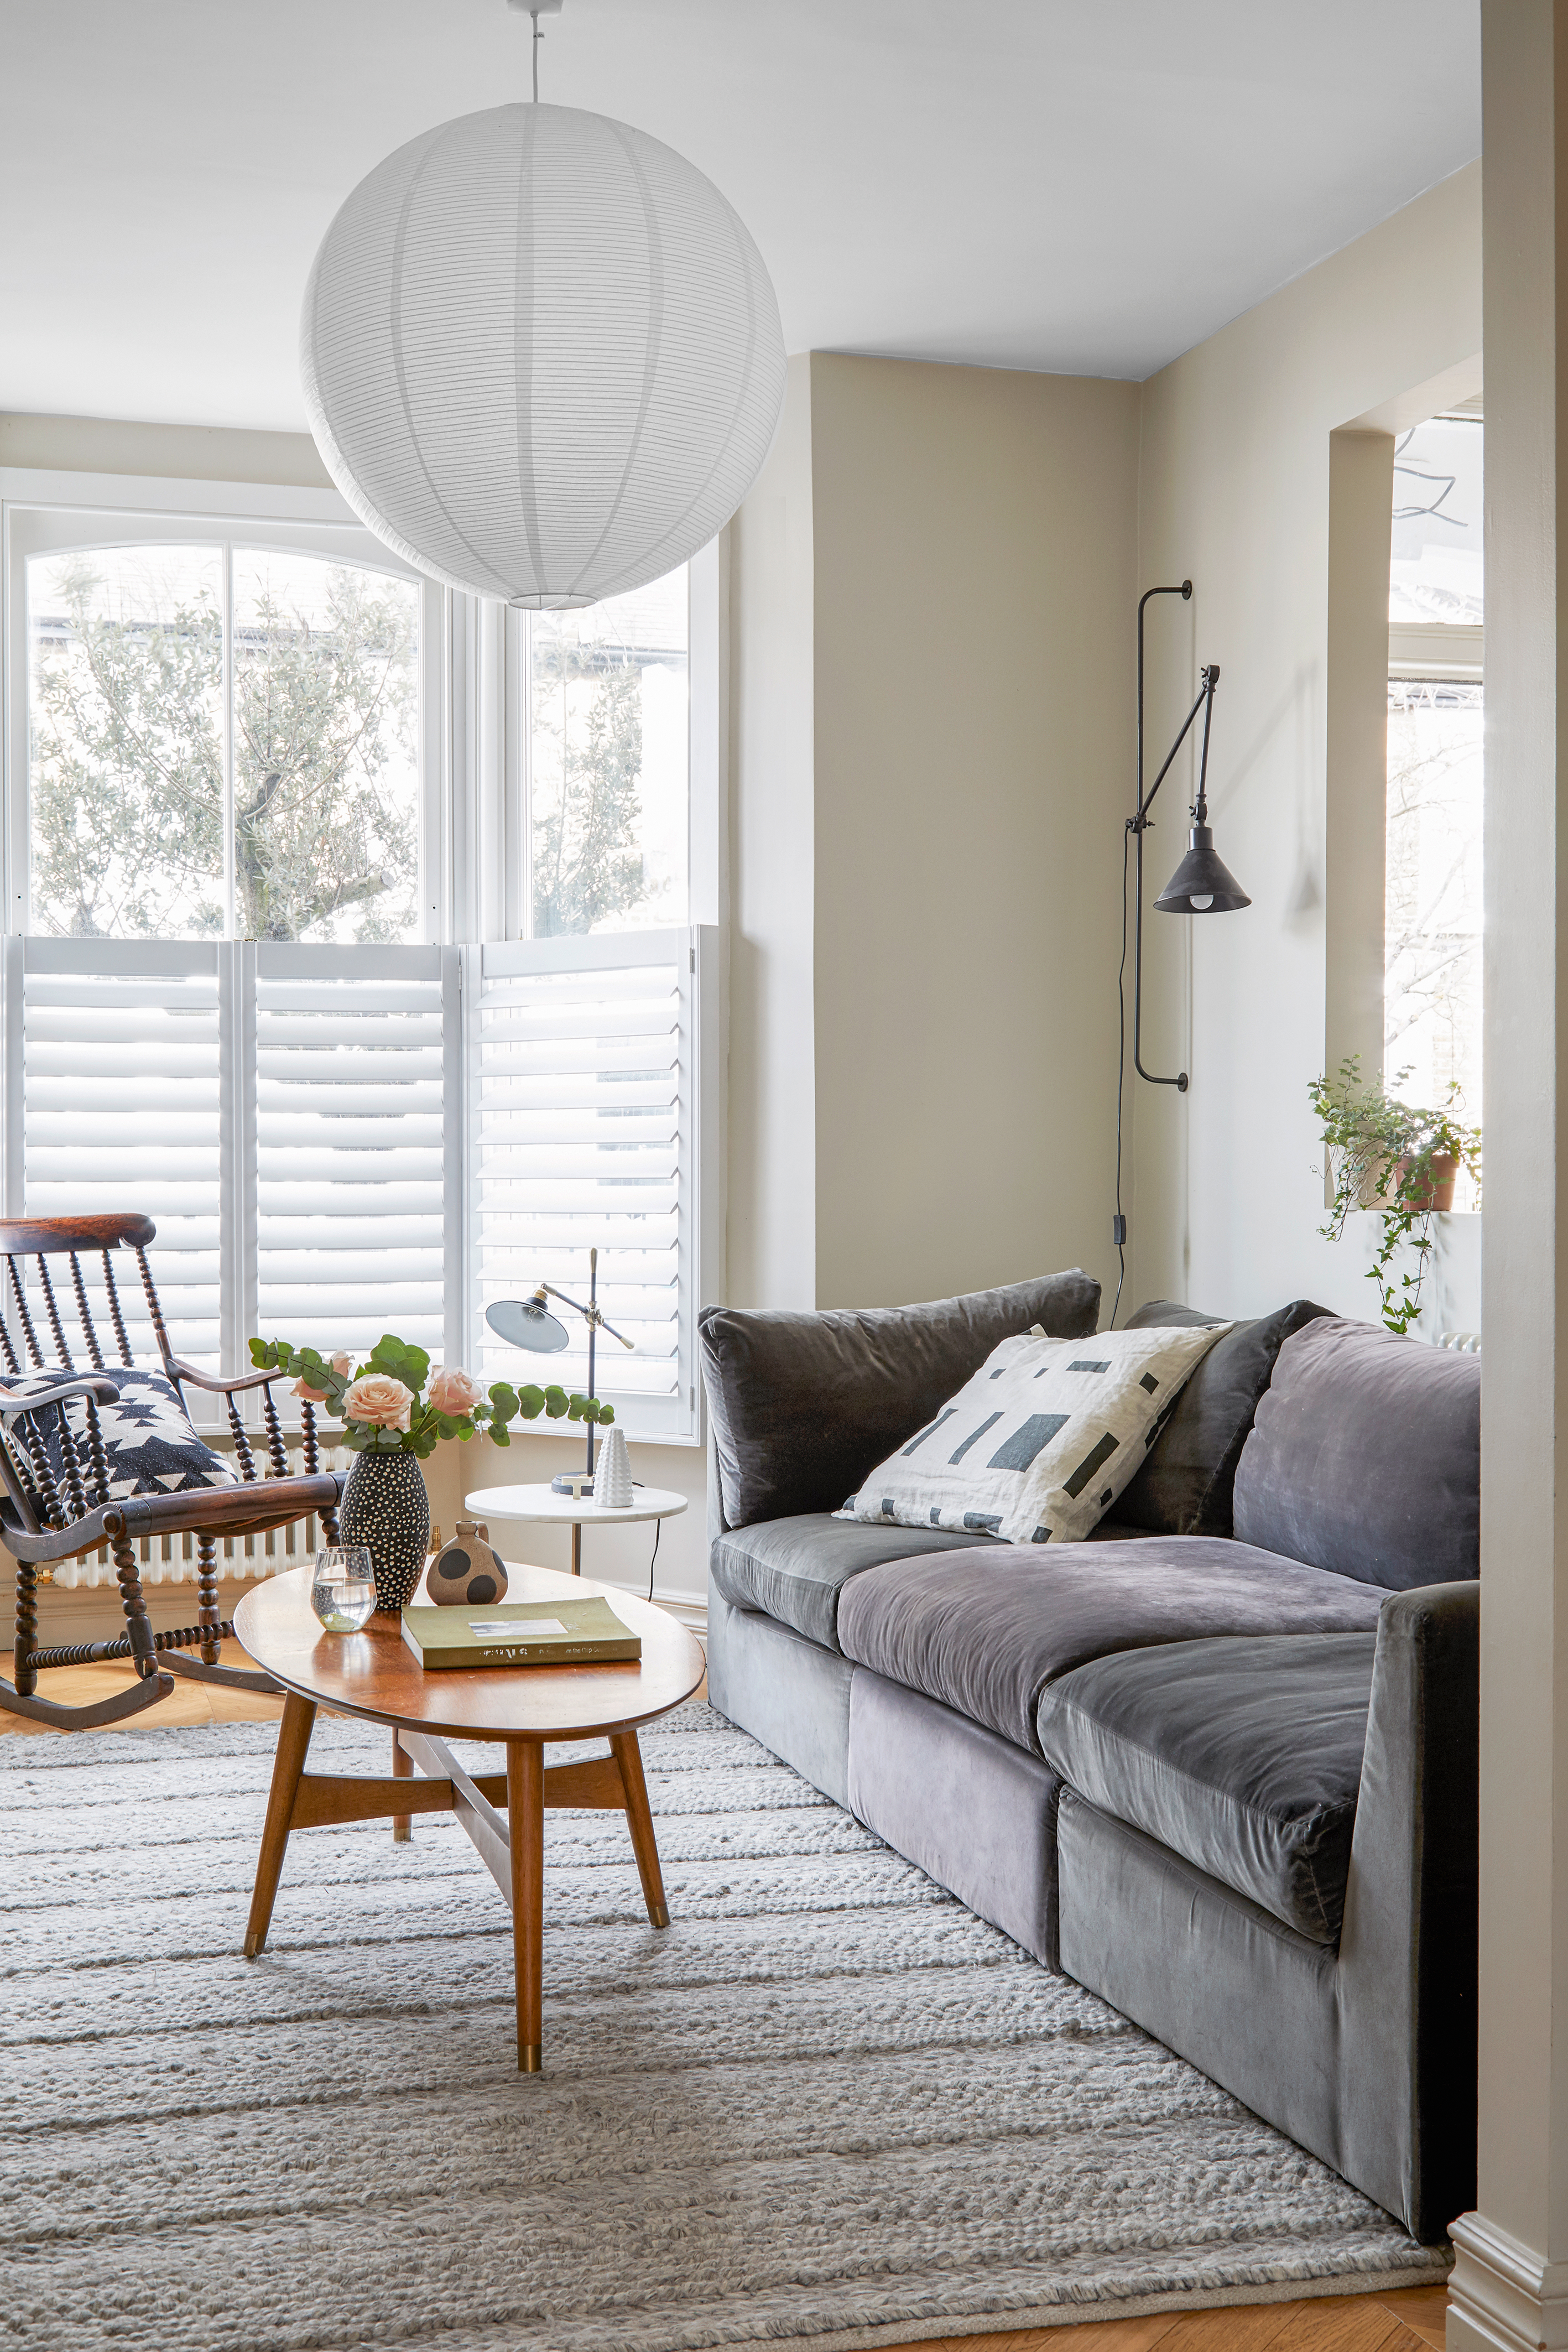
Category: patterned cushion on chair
<point>150,1444</point>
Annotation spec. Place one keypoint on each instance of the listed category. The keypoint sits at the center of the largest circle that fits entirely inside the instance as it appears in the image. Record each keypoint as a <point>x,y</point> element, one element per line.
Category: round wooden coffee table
<point>375,1675</point>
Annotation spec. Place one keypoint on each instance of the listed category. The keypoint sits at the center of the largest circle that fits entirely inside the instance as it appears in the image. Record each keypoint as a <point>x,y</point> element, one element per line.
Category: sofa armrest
<point>1407,1950</point>
<point>717,1525</point>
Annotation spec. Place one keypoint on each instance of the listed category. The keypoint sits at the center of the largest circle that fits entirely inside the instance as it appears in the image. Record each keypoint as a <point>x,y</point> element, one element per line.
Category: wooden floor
<point>1409,2321</point>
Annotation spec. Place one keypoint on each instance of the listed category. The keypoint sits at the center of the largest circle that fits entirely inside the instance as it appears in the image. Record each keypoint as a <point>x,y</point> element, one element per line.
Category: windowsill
<point>1446,1216</point>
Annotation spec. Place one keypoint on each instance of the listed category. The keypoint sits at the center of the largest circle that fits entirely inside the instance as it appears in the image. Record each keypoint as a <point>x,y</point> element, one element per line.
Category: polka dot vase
<point>386,1509</point>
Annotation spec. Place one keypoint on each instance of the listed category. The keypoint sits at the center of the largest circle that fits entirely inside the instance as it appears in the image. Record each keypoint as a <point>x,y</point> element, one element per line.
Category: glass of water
<point>344,1590</point>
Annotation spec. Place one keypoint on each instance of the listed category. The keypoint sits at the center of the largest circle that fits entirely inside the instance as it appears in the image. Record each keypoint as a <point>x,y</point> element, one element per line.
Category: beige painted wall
<point>1234,469</point>
<point>930,748</point>
<point>95,445</point>
<point>974,575</point>
<point>1510,2286</point>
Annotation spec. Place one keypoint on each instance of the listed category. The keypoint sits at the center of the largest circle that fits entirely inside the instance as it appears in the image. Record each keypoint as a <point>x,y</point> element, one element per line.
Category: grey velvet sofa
<point>1218,1764</point>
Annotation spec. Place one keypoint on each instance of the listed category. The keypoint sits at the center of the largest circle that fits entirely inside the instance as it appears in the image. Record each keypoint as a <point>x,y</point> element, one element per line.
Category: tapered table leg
<point>526,1836</point>
<point>403,1769</point>
<point>288,1765</point>
<point>628,1757</point>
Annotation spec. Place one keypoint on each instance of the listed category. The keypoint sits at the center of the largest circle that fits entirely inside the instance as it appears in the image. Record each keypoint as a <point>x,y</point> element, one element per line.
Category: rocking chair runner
<point>47,1517</point>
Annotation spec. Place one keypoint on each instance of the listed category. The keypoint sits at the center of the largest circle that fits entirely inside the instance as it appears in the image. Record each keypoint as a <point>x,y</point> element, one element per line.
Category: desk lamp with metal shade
<point>1201,885</point>
<point>527,1323</point>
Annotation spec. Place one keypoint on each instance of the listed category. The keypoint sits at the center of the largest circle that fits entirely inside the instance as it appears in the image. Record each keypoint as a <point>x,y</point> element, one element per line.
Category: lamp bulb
<point>1201,904</point>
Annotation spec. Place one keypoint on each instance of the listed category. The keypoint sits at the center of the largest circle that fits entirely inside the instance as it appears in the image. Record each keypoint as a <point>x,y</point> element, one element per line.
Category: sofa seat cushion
<point>1242,1756</point>
<point>984,1632</point>
<point>794,1569</point>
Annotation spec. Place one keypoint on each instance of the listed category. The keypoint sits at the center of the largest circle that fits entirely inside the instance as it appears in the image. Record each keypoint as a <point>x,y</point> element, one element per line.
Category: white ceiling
<point>1090,186</point>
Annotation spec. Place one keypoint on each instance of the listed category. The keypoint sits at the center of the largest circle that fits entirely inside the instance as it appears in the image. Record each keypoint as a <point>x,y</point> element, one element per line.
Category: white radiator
<point>172,1560</point>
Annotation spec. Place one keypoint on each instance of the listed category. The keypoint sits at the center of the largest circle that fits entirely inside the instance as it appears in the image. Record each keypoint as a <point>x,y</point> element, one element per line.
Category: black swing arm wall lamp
<point>1201,885</point>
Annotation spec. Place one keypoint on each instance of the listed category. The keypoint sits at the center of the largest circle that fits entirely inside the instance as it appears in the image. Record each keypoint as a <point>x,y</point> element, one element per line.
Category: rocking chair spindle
<point>46,1518</point>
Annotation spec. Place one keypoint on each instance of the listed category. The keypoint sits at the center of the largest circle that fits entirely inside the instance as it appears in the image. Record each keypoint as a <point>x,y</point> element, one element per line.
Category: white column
<point>1511,2281</point>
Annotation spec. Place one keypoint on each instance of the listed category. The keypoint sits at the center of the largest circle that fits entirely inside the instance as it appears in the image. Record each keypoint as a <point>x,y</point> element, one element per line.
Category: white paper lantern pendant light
<point>541,354</point>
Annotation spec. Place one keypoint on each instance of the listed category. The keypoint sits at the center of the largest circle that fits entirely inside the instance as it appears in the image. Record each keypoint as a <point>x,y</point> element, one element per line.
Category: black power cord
<point>658,1529</point>
<point>1119,1222</point>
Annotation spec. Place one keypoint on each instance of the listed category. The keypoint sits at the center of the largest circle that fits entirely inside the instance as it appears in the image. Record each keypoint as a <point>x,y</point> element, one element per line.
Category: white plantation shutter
<point>115,1101</point>
<point>586,1118</point>
<point>356,1062</point>
<point>286,1114</point>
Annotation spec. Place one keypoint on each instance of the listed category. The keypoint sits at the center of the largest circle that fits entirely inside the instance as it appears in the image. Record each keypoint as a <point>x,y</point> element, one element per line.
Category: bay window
<point>351,929</point>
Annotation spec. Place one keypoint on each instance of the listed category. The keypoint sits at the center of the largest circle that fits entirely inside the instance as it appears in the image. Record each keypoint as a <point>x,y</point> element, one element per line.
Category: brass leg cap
<point>659,1913</point>
<point>253,1945</point>
<point>531,2058</point>
<point>402,1833</point>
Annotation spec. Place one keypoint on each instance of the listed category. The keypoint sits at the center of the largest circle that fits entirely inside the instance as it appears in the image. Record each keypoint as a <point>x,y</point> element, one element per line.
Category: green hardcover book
<point>584,1632</point>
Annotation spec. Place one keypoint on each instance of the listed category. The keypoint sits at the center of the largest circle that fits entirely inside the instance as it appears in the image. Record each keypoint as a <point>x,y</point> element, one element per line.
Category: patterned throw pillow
<point>147,1439</point>
<point>1039,1444</point>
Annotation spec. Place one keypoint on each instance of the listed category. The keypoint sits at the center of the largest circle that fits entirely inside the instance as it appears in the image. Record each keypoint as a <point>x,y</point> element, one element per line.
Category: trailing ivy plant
<point>383,1407</point>
<point>1380,1154</point>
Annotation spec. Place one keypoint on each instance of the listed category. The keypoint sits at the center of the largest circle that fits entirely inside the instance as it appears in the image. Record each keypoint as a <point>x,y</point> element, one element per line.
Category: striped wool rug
<point>826,2107</point>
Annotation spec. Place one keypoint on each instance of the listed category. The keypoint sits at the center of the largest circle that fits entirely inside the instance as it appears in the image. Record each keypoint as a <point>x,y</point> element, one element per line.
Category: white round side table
<point>542,1505</point>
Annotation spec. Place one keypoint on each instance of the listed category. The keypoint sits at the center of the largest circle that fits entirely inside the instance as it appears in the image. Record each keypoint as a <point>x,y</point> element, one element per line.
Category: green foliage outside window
<point>128,761</point>
<point>587,716</point>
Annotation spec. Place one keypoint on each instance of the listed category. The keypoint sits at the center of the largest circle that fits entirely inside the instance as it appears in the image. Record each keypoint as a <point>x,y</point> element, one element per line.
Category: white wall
<point>1235,468</point>
<point>771,1208</point>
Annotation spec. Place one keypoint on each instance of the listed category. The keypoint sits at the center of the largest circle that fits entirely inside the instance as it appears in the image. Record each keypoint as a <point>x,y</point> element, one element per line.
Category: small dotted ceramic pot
<point>385,1508</point>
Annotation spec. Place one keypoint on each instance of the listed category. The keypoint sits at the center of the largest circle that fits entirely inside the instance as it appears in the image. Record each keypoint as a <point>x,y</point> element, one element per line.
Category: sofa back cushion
<point>804,1404</point>
<point>1185,1488</point>
<point>1364,1457</point>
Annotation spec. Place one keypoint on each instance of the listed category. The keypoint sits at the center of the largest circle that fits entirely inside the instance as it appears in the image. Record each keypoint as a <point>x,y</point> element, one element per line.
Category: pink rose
<point>455,1393</point>
<point>380,1401</point>
<point>319,1396</point>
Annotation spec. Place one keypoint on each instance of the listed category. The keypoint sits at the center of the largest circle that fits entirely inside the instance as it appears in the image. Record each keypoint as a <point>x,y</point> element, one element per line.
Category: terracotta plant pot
<point>1438,1195</point>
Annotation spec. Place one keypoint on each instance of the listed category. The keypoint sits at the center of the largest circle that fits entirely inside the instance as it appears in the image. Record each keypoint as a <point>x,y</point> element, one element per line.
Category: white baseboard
<point>92,1612</point>
<point>1502,2298</point>
<point>692,1614</point>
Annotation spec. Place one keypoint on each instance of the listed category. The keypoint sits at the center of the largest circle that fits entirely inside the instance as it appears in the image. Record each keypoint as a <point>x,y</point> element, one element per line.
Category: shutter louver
<point>351,1144</point>
<point>580,1109</point>
<point>122,1109</point>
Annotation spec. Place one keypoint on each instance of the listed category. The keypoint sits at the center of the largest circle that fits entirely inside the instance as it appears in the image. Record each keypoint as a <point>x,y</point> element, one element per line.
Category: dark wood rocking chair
<point>44,1517</point>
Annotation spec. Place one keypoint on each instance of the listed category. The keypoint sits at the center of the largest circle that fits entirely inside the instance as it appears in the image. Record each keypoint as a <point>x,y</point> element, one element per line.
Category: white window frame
<point>142,515</point>
<point>474,713</point>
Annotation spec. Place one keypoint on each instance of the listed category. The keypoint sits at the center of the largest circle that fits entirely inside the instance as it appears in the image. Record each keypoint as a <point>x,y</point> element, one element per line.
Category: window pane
<point>1432,906</point>
<point>326,801</point>
<point>1436,572</point>
<point>609,763</point>
<point>126,743</point>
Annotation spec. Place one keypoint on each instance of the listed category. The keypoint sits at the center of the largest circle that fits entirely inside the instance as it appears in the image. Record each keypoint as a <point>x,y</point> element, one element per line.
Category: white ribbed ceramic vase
<point>612,1476</point>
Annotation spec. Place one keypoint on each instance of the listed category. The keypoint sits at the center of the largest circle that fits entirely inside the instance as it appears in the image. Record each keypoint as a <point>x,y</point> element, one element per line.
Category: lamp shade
<point>541,355</point>
<point>524,1323</point>
<point>1202,884</point>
